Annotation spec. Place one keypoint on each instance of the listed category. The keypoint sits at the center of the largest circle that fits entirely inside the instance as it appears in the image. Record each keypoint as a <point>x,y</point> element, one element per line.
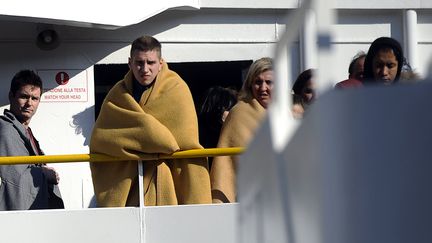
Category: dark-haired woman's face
<point>308,92</point>
<point>385,66</point>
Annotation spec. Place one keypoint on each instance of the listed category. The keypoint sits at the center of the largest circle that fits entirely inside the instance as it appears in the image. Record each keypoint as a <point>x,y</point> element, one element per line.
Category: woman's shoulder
<point>241,105</point>
<point>247,106</point>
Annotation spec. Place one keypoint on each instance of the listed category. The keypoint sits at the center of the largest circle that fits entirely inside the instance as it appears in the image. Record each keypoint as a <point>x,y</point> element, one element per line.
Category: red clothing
<point>34,142</point>
<point>349,83</point>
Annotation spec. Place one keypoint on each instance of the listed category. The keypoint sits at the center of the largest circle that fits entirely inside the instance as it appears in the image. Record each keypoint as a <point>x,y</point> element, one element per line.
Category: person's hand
<point>51,174</point>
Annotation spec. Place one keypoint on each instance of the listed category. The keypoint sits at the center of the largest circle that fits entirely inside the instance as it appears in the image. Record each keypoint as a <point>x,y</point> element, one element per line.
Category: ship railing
<point>100,158</point>
<point>211,223</point>
<point>68,158</point>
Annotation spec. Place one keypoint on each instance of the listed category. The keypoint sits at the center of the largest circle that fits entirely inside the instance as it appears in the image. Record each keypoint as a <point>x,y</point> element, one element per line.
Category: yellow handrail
<point>193,153</point>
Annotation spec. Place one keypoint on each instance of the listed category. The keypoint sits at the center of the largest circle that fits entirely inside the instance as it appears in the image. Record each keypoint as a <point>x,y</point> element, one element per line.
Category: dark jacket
<point>22,186</point>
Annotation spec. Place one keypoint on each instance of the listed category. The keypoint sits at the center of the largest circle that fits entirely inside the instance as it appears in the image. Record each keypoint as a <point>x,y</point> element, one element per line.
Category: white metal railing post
<point>325,77</point>
<point>141,199</point>
<point>141,182</point>
<point>308,42</point>
<point>282,123</point>
<point>410,37</point>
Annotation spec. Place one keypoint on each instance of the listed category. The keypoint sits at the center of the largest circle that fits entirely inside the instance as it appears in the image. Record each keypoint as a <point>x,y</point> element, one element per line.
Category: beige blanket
<point>164,121</point>
<point>237,131</point>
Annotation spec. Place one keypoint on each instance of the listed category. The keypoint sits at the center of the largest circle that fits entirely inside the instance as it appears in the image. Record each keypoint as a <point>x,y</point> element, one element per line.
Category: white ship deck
<point>278,204</point>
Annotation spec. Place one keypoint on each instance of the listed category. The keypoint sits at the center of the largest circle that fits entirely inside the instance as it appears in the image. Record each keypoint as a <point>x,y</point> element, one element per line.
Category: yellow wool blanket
<point>237,131</point>
<point>164,121</point>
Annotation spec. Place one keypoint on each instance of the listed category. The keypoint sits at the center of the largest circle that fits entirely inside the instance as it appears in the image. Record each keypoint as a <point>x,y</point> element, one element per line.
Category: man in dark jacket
<point>27,186</point>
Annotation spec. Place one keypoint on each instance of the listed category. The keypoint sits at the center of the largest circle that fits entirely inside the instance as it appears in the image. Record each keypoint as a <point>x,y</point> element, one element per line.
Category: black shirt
<point>138,89</point>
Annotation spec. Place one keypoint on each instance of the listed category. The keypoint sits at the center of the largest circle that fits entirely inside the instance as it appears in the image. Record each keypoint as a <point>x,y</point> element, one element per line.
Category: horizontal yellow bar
<point>198,153</point>
<point>66,158</point>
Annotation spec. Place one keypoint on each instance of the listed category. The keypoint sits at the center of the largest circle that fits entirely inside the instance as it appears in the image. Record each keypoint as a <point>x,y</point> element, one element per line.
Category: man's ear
<point>129,62</point>
<point>160,64</point>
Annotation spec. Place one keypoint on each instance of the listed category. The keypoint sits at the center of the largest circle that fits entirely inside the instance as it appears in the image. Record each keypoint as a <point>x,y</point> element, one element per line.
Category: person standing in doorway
<point>149,111</point>
<point>240,127</point>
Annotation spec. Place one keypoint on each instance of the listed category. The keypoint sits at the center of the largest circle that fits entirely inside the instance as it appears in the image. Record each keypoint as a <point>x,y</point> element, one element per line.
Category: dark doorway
<point>198,75</point>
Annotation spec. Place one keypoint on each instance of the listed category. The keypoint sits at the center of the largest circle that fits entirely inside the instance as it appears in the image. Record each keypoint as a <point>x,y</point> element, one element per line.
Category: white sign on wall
<point>68,85</point>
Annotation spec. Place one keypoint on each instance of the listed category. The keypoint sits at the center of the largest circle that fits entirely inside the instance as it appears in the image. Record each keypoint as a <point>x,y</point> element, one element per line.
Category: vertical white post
<point>282,123</point>
<point>410,37</point>
<point>141,183</point>
<point>326,17</point>
<point>308,42</point>
<point>141,199</point>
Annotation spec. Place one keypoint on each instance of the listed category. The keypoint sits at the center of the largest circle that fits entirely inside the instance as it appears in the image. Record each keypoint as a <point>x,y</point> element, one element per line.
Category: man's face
<point>358,69</point>
<point>25,102</point>
<point>262,87</point>
<point>385,66</point>
<point>145,66</point>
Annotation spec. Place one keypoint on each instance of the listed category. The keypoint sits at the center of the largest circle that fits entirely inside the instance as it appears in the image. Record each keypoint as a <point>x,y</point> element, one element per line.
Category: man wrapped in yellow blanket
<point>150,111</point>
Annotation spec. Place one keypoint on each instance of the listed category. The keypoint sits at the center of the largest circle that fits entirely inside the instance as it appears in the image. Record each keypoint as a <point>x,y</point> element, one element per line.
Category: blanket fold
<point>237,131</point>
<point>164,121</point>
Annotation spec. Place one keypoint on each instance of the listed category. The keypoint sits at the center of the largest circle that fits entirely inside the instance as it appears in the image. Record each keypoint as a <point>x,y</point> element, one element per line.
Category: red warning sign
<point>62,78</point>
<point>64,85</point>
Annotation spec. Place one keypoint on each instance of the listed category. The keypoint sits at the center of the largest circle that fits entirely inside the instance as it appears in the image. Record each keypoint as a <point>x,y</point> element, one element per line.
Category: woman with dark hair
<point>216,104</point>
<point>304,86</point>
<point>303,92</point>
<point>383,63</point>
